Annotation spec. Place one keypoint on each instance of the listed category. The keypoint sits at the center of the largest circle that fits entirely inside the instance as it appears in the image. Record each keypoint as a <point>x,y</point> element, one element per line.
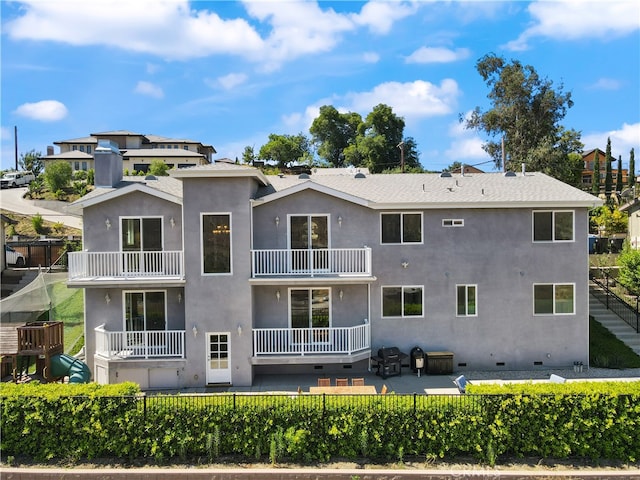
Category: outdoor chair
<point>324,382</point>
<point>342,382</point>
<point>384,389</point>
<point>357,382</point>
<point>461,382</point>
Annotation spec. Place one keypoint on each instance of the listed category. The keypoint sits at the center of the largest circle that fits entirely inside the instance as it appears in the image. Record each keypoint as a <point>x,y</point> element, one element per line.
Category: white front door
<point>218,358</point>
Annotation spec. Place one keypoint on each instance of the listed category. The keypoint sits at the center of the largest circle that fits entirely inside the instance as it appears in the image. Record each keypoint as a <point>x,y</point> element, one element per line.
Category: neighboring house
<point>218,273</point>
<point>588,157</point>
<point>138,151</point>
<point>633,229</point>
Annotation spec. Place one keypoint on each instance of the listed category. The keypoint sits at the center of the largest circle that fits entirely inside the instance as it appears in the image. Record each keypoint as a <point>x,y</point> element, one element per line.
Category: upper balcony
<point>325,262</point>
<point>165,267</point>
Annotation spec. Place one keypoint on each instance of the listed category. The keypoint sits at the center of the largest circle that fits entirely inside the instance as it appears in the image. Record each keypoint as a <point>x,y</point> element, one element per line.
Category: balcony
<point>112,267</point>
<point>300,342</point>
<point>139,344</point>
<point>337,262</point>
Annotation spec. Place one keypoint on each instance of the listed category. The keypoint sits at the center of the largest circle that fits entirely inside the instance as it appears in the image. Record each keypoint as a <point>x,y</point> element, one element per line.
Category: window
<point>401,227</point>
<point>466,297</point>
<point>74,147</point>
<point>453,222</point>
<point>402,301</point>
<point>216,243</point>
<point>76,165</point>
<point>309,307</point>
<point>89,149</point>
<point>553,299</point>
<point>553,226</point>
<point>186,147</point>
<point>145,311</point>
<point>141,234</point>
<point>82,148</point>
<point>84,166</point>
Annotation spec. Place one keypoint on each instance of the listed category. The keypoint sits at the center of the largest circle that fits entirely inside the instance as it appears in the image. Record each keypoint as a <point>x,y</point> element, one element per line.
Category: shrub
<point>38,223</point>
<point>629,274</point>
<point>57,175</point>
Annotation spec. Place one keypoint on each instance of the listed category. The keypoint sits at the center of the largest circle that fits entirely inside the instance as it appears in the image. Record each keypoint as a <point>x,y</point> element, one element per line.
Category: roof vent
<point>510,174</point>
<point>359,175</point>
<point>445,175</point>
<point>304,176</point>
<point>150,177</point>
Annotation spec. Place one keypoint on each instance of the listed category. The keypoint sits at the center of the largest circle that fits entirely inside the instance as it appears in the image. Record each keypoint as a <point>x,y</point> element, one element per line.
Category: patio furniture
<point>342,382</point>
<point>461,382</point>
<point>357,382</point>
<point>388,362</point>
<point>348,390</point>
<point>324,382</point>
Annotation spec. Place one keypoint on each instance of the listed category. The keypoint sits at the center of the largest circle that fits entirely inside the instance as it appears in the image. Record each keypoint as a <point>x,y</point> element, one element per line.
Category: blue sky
<point>230,73</point>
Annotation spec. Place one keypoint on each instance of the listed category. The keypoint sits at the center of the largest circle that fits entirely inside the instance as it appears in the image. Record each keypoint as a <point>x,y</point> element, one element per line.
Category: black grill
<point>389,361</point>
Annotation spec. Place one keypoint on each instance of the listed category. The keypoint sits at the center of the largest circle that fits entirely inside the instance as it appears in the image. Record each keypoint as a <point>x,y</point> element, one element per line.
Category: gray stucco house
<point>218,272</point>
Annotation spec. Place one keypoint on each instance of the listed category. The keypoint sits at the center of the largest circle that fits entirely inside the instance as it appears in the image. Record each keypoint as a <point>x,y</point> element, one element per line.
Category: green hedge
<point>585,420</point>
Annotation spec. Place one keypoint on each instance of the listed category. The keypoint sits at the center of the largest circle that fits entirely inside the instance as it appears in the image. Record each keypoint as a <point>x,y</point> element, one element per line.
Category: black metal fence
<point>614,303</point>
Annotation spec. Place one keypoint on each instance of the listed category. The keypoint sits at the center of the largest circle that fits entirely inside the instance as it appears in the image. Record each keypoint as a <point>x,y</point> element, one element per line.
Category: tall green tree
<point>608,177</point>
<point>526,114</point>
<point>595,176</point>
<point>286,150</point>
<point>248,155</point>
<point>332,132</point>
<point>32,160</point>
<point>619,183</point>
<point>632,170</point>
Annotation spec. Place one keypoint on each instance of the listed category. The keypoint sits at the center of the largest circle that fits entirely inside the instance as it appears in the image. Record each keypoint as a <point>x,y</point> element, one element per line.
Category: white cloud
<point>380,16</point>
<point>44,111</point>
<point>622,140</point>
<point>5,134</point>
<point>412,100</point>
<point>177,30</point>
<point>605,84</point>
<point>465,145</point>
<point>371,57</point>
<point>149,89</point>
<point>232,80</point>
<point>437,55</point>
<point>575,19</point>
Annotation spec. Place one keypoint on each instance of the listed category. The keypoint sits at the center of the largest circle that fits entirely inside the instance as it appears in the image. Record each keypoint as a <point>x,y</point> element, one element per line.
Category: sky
<point>228,74</point>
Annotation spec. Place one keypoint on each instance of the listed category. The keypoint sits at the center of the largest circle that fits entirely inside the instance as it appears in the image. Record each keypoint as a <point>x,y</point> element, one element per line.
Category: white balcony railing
<point>309,341</point>
<point>327,261</point>
<point>139,344</point>
<point>114,265</point>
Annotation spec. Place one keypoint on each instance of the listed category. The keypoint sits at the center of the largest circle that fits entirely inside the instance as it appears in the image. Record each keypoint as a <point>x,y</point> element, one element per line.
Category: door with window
<point>141,237</point>
<point>218,357</point>
<point>145,322</point>
<point>310,316</point>
<point>309,242</point>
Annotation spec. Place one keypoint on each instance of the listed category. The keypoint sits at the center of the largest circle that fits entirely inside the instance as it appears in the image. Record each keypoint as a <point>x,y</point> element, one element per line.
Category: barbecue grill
<point>389,361</point>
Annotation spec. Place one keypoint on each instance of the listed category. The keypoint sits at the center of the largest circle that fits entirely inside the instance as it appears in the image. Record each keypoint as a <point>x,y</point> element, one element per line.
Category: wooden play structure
<point>44,341</point>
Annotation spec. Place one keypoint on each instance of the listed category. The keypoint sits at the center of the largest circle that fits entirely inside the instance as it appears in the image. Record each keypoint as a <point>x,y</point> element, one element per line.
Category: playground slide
<point>63,365</point>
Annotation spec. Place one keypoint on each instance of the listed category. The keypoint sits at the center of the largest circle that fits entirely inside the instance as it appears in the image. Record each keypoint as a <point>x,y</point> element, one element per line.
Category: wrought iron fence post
<point>606,276</point>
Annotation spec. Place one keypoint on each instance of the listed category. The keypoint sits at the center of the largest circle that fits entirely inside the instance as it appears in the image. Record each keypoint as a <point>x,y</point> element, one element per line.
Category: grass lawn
<point>606,351</point>
<point>68,307</point>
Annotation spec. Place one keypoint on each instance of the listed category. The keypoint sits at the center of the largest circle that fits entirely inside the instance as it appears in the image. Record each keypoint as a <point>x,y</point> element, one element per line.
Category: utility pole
<point>401,147</point>
<point>15,137</point>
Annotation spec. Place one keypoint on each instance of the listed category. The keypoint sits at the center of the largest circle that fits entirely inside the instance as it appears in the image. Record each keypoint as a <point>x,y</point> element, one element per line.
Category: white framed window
<point>403,301</point>
<point>215,241</point>
<point>466,300</point>
<point>400,228</point>
<point>553,226</point>
<point>145,310</point>
<point>309,307</point>
<point>89,149</point>
<point>554,299</point>
<point>453,222</point>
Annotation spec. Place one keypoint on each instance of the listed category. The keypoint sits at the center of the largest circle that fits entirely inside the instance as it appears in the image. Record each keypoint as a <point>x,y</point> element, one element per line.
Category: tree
<point>158,168</point>
<point>32,161</point>
<point>619,184</point>
<point>526,115</point>
<point>610,220</point>
<point>595,176</point>
<point>332,132</point>
<point>286,150</point>
<point>248,155</point>
<point>632,169</point>
<point>629,273</point>
<point>608,179</point>
<point>57,175</point>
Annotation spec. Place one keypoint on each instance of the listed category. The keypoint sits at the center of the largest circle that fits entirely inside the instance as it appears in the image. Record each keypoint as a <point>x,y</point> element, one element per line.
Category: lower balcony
<point>310,345</point>
<point>143,344</point>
